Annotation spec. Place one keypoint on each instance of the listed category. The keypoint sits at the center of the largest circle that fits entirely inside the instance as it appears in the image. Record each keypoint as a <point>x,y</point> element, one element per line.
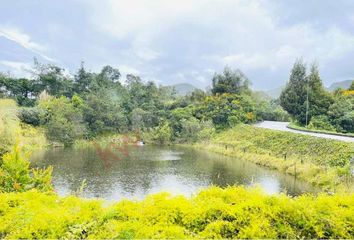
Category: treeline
<point>89,104</point>
<point>306,100</point>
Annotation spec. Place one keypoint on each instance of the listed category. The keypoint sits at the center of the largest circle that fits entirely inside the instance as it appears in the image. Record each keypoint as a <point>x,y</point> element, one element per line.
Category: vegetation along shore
<point>97,110</point>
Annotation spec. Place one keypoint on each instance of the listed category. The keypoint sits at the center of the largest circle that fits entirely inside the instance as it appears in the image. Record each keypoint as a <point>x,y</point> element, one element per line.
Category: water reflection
<point>151,169</point>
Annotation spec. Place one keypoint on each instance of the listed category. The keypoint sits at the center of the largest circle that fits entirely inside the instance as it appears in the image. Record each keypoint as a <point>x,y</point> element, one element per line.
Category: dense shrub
<point>8,124</point>
<point>102,114</point>
<point>321,122</point>
<point>161,134</point>
<point>341,114</point>
<point>62,119</point>
<point>271,111</point>
<point>17,176</point>
<point>12,131</point>
<point>193,130</point>
<point>31,116</point>
<point>227,109</point>
<point>234,212</point>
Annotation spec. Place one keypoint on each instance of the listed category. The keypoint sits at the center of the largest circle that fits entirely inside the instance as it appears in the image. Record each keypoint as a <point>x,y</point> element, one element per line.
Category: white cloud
<point>125,69</point>
<point>169,39</point>
<point>24,40</point>
<point>22,69</point>
<point>242,34</point>
<point>121,18</point>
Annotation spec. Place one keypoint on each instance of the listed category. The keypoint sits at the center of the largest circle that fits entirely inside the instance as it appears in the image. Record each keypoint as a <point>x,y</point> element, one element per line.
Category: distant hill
<point>342,84</point>
<point>275,92</point>
<point>262,95</point>
<point>183,89</point>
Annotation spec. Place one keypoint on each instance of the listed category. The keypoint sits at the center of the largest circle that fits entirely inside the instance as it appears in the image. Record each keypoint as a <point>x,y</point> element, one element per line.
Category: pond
<point>140,170</point>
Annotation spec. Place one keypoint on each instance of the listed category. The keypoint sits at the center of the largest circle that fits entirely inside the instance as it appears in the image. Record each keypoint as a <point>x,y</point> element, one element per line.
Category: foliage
<point>341,113</point>
<point>162,134</point>
<point>16,175</point>
<point>319,98</point>
<point>302,91</point>
<point>321,122</point>
<point>227,110</point>
<point>193,130</point>
<point>230,81</point>
<point>62,120</point>
<point>234,212</point>
<point>329,112</point>
<point>52,79</point>
<point>30,115</point>
<point>102,115</point>
<point>293,97</point>
<point>8,124</point>
<point>11,130</point>
<point>271,111</point>
<point>20,89</point>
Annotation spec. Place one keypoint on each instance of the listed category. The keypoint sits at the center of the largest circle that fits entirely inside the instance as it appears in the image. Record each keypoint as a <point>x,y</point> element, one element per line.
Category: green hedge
<point>234,212</point>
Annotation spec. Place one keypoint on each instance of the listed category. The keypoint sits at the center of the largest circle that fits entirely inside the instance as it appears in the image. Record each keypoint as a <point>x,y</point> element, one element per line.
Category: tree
<point>319,98</point>
<point>162,134</point>
<point>52,79</point>
<point>293,97</point>
<point>137,119</point>
<point>102,114</point>
<point>22,90</point>
<point>62,120</point>
<point>341,113</point>
<point>107,78</point>
<point>230,81</point>
<point>226,109</point>
<point>83,80</point>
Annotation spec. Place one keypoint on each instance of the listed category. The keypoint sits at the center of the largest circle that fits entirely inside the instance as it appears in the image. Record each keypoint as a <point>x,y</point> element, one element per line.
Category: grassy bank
<point>322,162</point>
<point>213,213</point>
<point>12,131</point>
<point>297,127</point>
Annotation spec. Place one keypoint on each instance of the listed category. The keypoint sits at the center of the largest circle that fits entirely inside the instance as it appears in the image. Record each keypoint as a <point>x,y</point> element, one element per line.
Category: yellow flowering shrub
<point>17,176</point>
<point>233,212</point>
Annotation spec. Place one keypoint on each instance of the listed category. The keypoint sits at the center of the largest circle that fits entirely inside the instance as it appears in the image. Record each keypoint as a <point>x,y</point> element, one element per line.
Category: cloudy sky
<point>175,41</point>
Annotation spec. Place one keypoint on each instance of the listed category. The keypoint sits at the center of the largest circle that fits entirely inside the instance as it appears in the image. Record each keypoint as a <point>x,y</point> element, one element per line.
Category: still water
<point>138,171</point>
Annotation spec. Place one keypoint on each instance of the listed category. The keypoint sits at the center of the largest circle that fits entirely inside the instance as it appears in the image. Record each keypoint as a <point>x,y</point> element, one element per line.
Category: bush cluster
<point>234,212</point>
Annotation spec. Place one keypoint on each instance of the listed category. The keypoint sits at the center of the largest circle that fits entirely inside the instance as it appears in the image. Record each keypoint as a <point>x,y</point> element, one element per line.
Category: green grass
<point>105,140</point>
<point>234,212</point>
<point>322,162</point>
<point>12,131</point>
<point>297,127</point>
<point>9,124</point>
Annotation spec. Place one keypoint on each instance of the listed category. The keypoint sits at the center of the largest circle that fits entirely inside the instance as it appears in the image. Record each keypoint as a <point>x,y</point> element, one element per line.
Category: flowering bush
<point>234,212</point>
<point>17,176</point>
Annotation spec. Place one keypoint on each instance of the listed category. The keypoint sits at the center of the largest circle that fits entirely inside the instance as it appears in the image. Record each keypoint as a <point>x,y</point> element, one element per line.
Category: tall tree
<point>319,98</point>
<point>230,81</point>
<point>51,78</point>
<point>83,80</point>
<point>293,97</point>
<point>108,77</point>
